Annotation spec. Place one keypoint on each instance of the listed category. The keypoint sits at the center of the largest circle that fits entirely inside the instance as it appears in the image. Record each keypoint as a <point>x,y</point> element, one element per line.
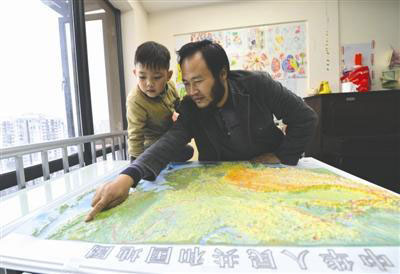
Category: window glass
<point>103,66</point>
<point>38,101</point>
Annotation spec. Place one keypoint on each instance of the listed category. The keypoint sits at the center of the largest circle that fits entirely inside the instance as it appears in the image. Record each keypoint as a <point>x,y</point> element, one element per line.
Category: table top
<point>19,251</point>
<point>21,204</point>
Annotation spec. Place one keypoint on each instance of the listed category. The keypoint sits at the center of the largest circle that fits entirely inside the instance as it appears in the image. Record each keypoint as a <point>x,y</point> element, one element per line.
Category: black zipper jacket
<point>256,98</point>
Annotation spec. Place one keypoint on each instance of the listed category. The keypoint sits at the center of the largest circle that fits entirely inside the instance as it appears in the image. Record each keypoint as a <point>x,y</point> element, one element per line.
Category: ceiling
<point>152,6</point>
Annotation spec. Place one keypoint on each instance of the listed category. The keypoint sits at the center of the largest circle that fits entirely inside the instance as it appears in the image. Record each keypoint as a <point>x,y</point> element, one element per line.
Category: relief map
<point>235,203</point>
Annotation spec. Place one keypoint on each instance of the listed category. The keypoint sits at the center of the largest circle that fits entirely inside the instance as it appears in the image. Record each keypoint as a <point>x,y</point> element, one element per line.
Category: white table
<point>19,206</point>
<point>24,204</point>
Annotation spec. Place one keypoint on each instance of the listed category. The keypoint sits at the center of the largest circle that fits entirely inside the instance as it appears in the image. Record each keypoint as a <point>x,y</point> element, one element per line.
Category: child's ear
<point>169,75</point>
<point>134,72</point>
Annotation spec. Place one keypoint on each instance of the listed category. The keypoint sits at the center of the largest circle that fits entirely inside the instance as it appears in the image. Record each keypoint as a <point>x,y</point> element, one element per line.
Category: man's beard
<point>217,93</point>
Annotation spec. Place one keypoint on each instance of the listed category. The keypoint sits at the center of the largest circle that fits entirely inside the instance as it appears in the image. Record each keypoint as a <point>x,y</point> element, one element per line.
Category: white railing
<point>43,148</point>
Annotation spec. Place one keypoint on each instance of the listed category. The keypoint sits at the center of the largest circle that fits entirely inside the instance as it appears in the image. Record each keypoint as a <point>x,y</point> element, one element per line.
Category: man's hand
<point>266,158</point>
<point>110,195</point>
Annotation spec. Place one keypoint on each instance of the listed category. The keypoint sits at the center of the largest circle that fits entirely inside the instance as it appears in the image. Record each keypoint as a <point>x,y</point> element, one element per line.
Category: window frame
<point>82,87</point>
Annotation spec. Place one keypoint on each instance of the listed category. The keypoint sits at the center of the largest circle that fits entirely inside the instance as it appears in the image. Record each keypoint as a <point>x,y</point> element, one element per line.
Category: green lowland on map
<point>236,204</point>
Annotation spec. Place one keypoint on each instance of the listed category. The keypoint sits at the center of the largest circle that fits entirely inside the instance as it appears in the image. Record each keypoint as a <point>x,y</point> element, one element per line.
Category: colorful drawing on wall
<point>217,37</point>
<point>275,67</point>
<point>255,39</point>
<point>235,204</point>
<point>278,49</point>
<point>234,61</point>
<point>198,36</point>
<point>180,87</point>
<point>287,44</point>
<point>233,38</point>
<point>256,61</point>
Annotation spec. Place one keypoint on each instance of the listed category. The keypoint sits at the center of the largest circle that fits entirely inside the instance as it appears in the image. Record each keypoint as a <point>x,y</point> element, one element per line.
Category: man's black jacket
<point>256,98</point>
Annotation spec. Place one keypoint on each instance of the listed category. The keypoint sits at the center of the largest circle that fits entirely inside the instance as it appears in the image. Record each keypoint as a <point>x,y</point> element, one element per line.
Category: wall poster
<point>279,49</point>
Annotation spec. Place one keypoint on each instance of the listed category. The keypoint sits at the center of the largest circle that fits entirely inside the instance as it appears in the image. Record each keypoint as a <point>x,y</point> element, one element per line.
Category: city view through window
<point>38,97</point>
<point>33,107</point>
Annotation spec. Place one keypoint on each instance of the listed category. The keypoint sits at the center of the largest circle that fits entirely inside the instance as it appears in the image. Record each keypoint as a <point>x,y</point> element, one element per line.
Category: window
<point>36,100</point>
<point>103,66</point>
<point>47,93</point>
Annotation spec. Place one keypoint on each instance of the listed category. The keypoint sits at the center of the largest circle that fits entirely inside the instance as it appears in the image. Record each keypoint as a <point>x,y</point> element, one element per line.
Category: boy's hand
<point>110,195</point>
<point>266,158</point>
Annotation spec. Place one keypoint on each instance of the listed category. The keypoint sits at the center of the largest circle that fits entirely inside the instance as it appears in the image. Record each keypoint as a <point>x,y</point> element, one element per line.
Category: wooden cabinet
<point>359,133</point>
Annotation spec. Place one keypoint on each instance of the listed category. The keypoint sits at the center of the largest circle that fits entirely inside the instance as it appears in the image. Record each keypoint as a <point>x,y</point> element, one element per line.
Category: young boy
<point>151,107</point>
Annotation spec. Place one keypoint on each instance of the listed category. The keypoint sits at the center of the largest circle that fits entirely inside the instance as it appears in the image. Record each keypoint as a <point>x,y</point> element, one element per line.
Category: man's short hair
<point>213,54</point>
<point>152,55</point>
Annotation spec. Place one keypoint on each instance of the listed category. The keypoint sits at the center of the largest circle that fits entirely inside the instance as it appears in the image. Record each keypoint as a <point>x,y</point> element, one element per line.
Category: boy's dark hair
<point>213,54</point>
<point>152,55</point>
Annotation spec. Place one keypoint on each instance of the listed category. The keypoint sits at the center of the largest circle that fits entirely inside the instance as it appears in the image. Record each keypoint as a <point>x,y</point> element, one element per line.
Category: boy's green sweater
<point>149,118</point>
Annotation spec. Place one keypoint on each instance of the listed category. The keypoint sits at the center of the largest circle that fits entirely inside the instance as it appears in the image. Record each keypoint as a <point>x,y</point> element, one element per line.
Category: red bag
<point>360,77</point>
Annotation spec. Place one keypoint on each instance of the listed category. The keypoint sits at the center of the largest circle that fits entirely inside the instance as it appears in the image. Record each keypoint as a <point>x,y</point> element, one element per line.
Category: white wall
<point>164,25</point>
<point>134,25</point>
<point>364,21</point>
<point>348,21</point>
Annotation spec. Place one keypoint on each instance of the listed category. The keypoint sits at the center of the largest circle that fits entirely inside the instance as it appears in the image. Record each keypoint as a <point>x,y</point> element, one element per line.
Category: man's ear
<point>224,74</point>
<point>134,72</point>
<point>169,74</point>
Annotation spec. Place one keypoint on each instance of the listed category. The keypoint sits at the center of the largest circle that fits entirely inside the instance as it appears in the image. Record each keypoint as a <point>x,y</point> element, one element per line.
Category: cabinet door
<point>361,114</point>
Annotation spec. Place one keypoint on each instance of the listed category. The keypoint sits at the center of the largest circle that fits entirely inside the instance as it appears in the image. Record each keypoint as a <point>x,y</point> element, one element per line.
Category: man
<point>230,116</point>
